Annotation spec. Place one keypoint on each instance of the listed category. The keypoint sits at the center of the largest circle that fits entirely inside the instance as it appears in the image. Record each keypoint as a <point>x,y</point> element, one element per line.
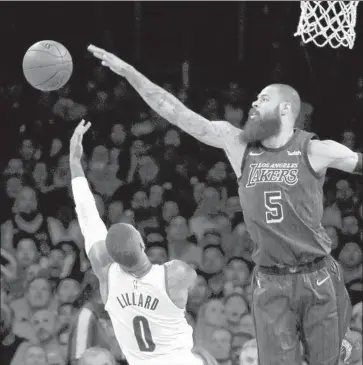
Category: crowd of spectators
<point>180,194</point>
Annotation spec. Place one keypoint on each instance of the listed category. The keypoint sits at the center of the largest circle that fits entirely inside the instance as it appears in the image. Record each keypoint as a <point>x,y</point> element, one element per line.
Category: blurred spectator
<point>179,242</point>
<point>97,356</point>
<point>92,326</point>
<point>38,296</point>
<point>9,342</point>
<point>249,354</point>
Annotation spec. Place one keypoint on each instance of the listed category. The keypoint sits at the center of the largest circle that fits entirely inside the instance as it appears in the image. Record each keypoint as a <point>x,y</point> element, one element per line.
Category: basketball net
<point>328,22</point>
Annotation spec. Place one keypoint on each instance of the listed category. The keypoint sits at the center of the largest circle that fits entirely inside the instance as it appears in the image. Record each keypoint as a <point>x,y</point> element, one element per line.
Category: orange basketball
<point>47,65</point>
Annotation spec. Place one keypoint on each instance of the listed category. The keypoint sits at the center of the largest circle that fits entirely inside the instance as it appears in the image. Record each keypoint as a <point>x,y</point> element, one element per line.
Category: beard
<point>260,128</point>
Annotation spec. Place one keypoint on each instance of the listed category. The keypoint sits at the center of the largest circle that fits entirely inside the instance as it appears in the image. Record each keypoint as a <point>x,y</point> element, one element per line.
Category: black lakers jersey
<point>282,201</point>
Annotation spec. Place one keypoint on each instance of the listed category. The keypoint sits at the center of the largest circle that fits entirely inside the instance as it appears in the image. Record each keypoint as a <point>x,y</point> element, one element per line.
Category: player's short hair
<point>124,244</point>
<point>290,95</point>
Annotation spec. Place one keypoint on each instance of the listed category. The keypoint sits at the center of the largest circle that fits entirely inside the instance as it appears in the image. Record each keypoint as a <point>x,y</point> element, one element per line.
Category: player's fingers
<point>87,127</point>
<point>95,49</point>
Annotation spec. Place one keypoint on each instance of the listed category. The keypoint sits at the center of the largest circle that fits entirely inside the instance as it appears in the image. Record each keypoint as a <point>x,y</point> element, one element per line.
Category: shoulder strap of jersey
<point>306,138</point>
<point>247,151</point>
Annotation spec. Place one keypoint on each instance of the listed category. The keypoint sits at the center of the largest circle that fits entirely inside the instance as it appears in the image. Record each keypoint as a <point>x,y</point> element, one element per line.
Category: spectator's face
<point>211,196</point>
<point>148,169</point>
<point>213,260</point>
<point>237,272</point>
<point>68,290</point>
<point>55,147</point>
<point>350,225</point>
<point>157,255</point>
<point>44,324</point>
<point>26,252</point>
<point>100,359</point>
<point>118,134</point>
<point>264,119</point>
<point>128,217</point>
<point>170,210</point>
<point>247,325</point>
<point>35,355</point>
<point>56,263</point>
<point>65,315</point>
<point>218,172</point>
<point>233,206</point>
<point>333,235</point>
<point>27,149</point>
<point>351,255</point>
<point>13,187</point>
<point>40,172</point>
<point>222,341</point>
<point>178,229</point>
<point>32,271</point>
<point>343,190</point>
<point>15,167</point>
<point>214,313</point>
<point>200,291</point>
<point>26,201</point>
<point>39,293</point>
<point>249,356</point>
<point>212,239</point>
<point>198,192</point>
<point>172,138</point>
<point>115,210</point>
<point>100,157</point>
<point>63,162</point>
<point>156,195</point>
<point>234,309</point>
<point>55,358</point>
<point>349,139</point>
<point>139,200</point>
<point>223,224</point>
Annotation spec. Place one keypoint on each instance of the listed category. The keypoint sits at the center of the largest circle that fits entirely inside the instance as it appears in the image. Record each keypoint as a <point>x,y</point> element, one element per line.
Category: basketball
<point>47,65</point>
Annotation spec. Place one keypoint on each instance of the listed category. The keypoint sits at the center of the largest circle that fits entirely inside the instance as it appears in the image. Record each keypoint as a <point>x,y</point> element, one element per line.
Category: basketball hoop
<point>328,22</point>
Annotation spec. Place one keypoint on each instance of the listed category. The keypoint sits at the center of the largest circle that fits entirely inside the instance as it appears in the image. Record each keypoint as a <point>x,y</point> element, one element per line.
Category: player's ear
<point>285,108</point>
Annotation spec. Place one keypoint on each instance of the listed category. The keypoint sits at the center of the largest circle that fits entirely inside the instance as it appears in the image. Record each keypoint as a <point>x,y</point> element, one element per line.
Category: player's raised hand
<point>76,148</point>
<point>109,60</point>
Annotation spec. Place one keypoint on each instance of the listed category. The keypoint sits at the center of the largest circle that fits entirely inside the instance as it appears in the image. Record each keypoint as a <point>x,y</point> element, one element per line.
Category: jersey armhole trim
<point>306,157</point>
<point>166,281</point>
<point>107,282</point>
<point>244,158</point>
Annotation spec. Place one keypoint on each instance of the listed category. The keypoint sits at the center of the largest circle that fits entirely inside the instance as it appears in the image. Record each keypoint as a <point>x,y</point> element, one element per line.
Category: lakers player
<point>298,292</point>
<point>146,302</point>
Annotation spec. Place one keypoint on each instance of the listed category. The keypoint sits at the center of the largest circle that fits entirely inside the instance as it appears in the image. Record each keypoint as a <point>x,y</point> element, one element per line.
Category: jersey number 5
<point>143,334</point>
<point>274,213</point>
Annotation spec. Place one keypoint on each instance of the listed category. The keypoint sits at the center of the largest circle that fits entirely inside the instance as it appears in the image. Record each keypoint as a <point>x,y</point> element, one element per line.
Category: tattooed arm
<point>167,105</point>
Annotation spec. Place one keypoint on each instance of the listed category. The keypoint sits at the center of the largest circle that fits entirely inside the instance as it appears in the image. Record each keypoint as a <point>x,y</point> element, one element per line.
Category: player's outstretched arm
<point>167,105</point>
<point>328,153</point>
<point>91,224</point>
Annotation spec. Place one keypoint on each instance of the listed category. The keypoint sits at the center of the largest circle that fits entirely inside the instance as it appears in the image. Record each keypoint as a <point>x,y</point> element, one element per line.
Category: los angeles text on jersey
<point>139,300</point>
<point>264,172</point>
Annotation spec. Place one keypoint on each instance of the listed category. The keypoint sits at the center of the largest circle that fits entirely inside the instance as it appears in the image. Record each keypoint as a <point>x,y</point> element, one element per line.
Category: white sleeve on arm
<point>90,222</point>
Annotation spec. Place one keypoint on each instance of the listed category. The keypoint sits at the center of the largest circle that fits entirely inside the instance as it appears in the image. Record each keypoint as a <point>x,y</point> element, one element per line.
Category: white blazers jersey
<point>147,324</point>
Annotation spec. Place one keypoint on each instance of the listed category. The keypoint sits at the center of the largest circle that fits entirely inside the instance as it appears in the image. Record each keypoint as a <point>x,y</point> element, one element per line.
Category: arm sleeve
<point>90,222</point>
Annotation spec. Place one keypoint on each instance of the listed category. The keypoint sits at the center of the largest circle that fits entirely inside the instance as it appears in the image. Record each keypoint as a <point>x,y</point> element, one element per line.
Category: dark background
<point>209,34</point>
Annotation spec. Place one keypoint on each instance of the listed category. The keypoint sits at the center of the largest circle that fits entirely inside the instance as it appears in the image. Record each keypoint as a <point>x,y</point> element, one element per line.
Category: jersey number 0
<point>143,334</point>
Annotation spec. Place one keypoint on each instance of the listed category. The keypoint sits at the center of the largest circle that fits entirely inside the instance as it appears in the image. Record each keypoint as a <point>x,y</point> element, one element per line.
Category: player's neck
<point>142,269</point>
<point>279,140</point>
